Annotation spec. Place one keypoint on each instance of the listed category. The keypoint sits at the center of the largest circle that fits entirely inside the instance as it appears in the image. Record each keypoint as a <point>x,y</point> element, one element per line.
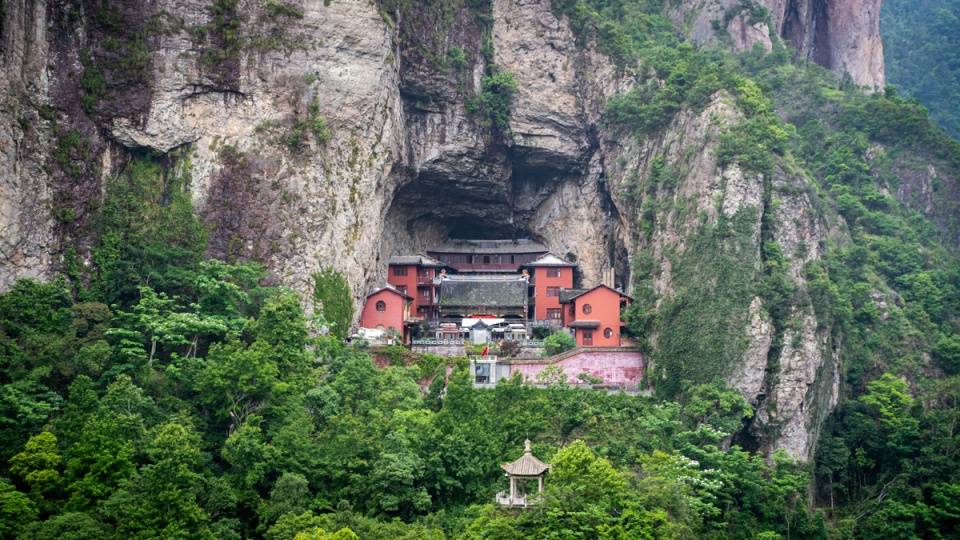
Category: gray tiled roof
<point>549,260</point>
<point>523,245</point>
<point>491,291</point>
<point>421,260</point>
<point>567,295</point>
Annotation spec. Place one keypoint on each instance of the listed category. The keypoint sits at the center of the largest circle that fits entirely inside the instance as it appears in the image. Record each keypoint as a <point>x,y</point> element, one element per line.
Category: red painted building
<point>417,276</point>
<point>593,315</point>
<point>548,276</point>
<point>386,308</point>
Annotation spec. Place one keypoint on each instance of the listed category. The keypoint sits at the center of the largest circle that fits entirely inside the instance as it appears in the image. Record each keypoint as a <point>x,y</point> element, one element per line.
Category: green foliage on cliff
<point>700,327</point>
<point>146,228</point>
<point>495,99</point>
<point>334,300</point>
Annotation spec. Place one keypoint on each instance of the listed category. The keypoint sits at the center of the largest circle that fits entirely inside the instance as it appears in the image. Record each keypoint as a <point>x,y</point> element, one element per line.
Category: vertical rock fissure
<point>821,51</point>
<point>754,436</point>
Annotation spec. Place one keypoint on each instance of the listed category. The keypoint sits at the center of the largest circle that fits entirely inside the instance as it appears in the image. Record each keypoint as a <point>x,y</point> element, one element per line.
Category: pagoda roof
<point>527,465</point>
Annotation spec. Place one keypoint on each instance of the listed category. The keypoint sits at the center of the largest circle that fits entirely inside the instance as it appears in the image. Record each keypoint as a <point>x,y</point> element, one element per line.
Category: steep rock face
<point>842,35</point>
<point>407,164</point>
<point>793,387</point>
<point>26,224</point>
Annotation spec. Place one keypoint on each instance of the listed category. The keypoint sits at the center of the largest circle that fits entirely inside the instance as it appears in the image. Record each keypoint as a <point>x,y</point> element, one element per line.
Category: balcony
<point>547,323</point>
<point>517,501</point>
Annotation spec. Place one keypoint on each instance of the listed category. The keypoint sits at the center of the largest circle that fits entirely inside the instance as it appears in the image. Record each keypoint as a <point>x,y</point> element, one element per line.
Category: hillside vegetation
<point>921,44</point>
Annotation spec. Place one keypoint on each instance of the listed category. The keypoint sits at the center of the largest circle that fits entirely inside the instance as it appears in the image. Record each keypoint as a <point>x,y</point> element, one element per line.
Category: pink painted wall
<point>391,317</point>
<point>613,367</point>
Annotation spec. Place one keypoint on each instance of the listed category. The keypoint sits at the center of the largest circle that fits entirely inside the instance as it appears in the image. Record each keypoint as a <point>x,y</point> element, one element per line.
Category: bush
<point>557,343</point>
<point>332,292</point>
<point>495,99</point>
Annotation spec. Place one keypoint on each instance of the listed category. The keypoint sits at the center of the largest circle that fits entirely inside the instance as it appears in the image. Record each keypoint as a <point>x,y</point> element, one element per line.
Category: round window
<point>587,309</point>
<point>381,305</point>
<point>608,333</point>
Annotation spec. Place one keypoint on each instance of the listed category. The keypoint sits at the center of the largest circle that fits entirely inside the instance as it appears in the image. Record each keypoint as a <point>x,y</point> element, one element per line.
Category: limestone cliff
<point>404,163</point>
<point>842,35</point>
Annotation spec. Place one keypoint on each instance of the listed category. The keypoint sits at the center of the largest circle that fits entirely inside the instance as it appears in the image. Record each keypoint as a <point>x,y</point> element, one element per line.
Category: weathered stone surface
<point>26,224</point>
<point>842,35</point>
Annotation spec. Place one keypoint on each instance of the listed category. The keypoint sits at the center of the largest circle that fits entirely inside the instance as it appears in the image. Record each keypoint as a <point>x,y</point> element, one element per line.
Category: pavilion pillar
<point>513,488</point>
<point>540,484</point>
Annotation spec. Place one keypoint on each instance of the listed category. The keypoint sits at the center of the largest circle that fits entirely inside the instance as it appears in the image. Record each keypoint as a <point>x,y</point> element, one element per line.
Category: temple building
<point>487,291</point>
<point>487,256</point>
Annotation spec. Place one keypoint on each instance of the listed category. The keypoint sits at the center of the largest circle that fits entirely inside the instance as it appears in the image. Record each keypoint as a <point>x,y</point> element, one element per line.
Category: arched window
<point>381,305</point>
<point>608,333</point>
<point>587,309</point>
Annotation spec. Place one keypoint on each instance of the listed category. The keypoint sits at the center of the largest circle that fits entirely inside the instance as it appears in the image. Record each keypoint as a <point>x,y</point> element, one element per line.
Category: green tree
<point>38,464</point>
<point>557,343</point>
<point>332,294</point>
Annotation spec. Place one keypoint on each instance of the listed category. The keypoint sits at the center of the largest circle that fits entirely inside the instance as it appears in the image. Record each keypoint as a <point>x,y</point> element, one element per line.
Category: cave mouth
<point>494,199</point>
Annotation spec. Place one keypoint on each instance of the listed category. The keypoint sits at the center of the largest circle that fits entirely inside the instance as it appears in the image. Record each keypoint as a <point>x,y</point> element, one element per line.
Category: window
<point>399,270</point>
<point>553,314</point>
<point>482,373</point>
<point>381,305</point>
<point>553,291</point>
<point>587,309</point>
<point>587,337</point>
<point>486,259</point>
<point>608,333</point>
<point>425,294</point>
<point>553,272</point>
<point>425,273</point>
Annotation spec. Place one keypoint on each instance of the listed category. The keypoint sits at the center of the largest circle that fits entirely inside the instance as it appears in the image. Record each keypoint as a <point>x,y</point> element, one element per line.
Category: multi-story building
<point>417,276</point>
<point>549,274</point>
<point>594,315</point>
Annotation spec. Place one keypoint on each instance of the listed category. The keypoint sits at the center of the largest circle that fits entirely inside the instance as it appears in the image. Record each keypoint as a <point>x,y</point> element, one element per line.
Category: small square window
<point>553,272</point>
<point>553,291</point>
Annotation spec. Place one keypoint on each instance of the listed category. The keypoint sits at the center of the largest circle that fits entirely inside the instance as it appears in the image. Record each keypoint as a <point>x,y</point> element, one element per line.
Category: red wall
<point>415,285</point>
<point>605,307</point>
<point>541,281</point>
<point>392,317</point>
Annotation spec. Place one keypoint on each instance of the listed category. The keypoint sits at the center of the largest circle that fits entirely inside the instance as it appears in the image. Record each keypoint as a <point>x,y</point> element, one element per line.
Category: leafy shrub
<point>557,343</point>
<point>495,100</point>
<point>332,292</point>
